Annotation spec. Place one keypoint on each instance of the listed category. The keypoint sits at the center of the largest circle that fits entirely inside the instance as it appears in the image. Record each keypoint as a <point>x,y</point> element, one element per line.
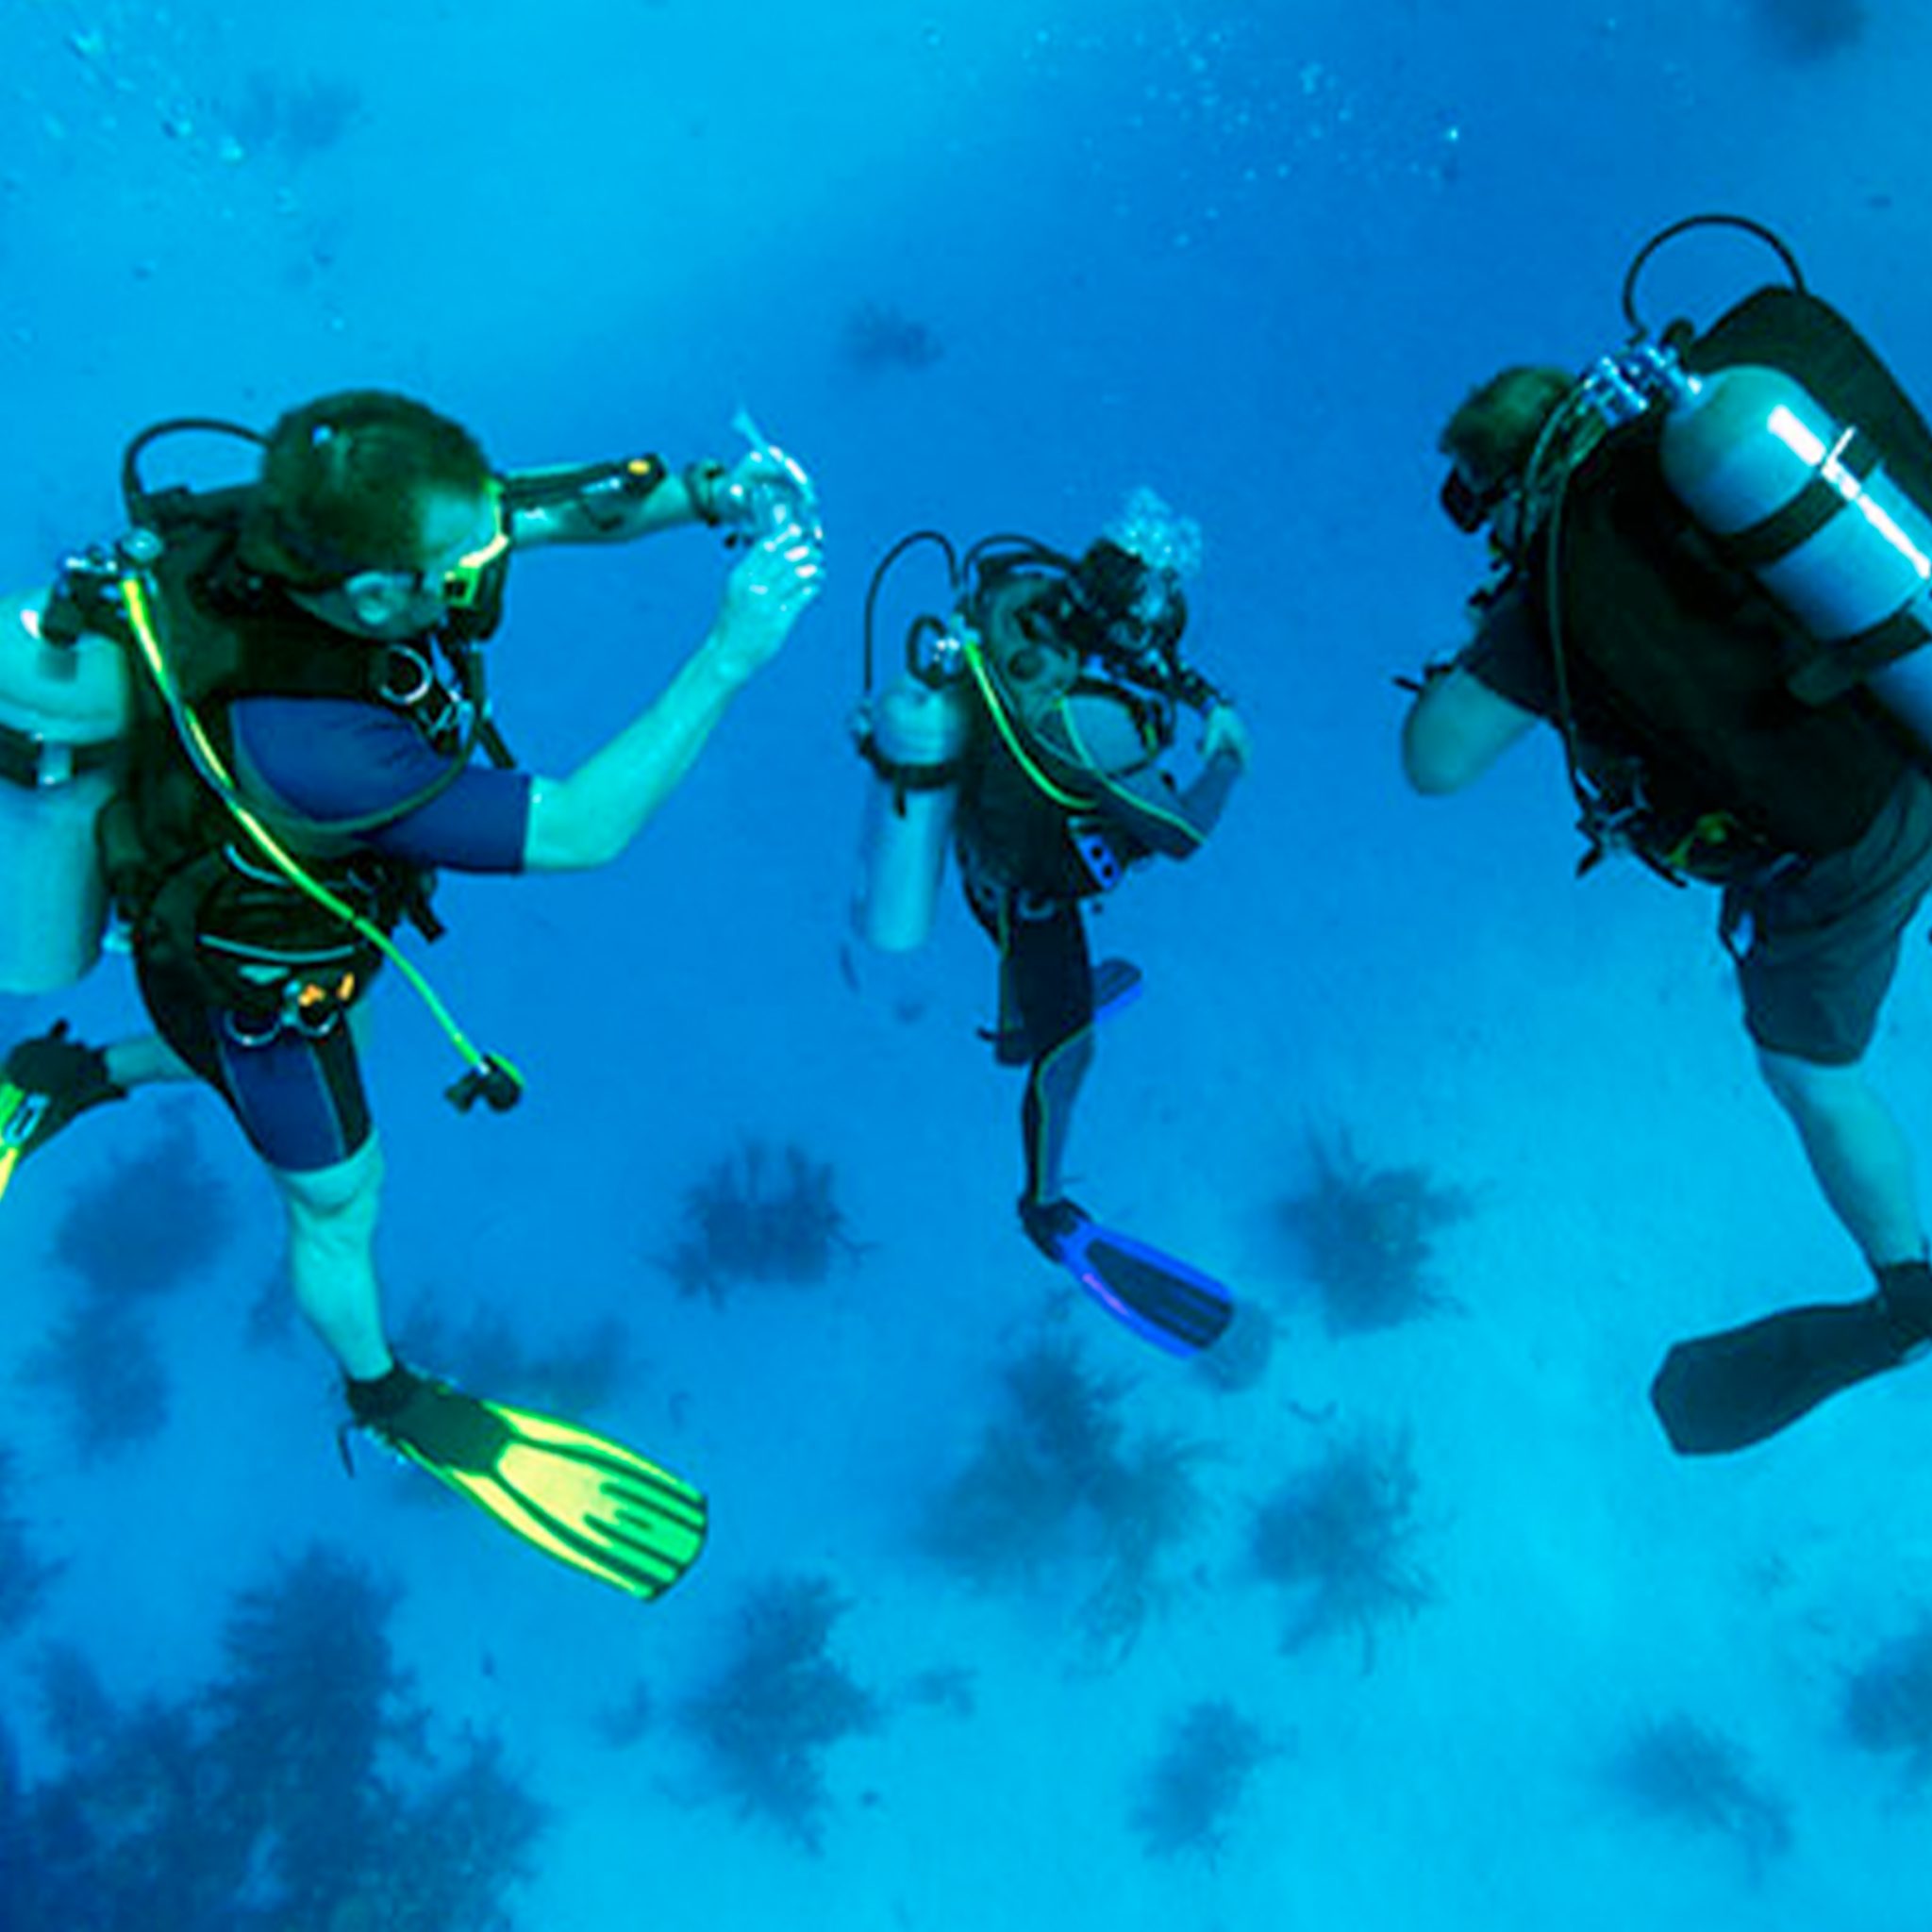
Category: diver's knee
<point>1810,1089</point>
<point>341,1200</point>
<point>1067,1063</point>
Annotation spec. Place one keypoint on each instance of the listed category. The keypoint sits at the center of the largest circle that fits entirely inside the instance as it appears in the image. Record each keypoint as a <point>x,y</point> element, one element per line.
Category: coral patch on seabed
<point>1188,1795</point>
<point>761,1218</point>
<point>24,1575</point>
<point>1887,1703</point>
<point>1366,1236</point>
<point>1057,1481</point>
<point>880,336</point>
<point>766,1721</point>
<point>1679,1770</point>
<point>155,1223</point>
<point>1338,1537</point>
<point>300,1791</point>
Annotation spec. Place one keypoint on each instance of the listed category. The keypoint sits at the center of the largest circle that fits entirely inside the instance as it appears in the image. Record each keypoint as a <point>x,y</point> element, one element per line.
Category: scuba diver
<point>256,726</point>
<point>1710,577</point>
<point>1033,733</point>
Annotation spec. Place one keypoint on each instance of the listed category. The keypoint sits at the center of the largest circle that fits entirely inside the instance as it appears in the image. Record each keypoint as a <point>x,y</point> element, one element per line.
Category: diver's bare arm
<point>1455,730</point>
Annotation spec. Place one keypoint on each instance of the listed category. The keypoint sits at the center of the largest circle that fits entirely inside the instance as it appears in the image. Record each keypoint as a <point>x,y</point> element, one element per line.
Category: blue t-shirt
<point>333,759</point>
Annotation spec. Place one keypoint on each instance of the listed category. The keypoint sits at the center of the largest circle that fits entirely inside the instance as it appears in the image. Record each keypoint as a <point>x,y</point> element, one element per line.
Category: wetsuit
<point>1053,808</point>
<point>298,1094</point>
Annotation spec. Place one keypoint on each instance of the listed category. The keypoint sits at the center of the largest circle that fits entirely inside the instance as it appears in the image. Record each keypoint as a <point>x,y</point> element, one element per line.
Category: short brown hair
<point>344,480</point>
<point>1494,430</point>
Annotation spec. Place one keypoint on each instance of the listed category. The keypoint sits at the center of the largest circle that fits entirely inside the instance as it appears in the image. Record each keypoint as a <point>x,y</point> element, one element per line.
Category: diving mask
<point>1122,609</point>
<point>1467,504</point>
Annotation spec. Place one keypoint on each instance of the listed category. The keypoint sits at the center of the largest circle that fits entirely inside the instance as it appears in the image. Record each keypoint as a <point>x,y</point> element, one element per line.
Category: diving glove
<point>576,1496</point>
<point>44,1083</point>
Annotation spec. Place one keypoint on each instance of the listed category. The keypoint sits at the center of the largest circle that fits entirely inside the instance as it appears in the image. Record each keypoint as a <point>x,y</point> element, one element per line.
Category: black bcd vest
<point>1676,662</point>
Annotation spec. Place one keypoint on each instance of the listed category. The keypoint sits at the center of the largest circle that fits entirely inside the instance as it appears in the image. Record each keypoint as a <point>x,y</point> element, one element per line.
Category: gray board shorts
<point>1824,937</point>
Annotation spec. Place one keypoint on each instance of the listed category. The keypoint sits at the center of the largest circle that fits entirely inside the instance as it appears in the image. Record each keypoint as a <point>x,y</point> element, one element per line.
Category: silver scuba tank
<point>63,712</point>
<point>1806,504</point>
<point>912,734</point>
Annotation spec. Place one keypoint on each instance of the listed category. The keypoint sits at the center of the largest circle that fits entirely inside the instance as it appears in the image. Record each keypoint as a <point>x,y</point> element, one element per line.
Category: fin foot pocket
<point>585,1499</point>
<point>1165,1300</point>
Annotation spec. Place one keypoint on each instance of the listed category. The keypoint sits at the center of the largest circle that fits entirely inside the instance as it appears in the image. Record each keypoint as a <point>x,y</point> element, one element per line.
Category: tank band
<point>1805,515</point>
<point>35,763</point>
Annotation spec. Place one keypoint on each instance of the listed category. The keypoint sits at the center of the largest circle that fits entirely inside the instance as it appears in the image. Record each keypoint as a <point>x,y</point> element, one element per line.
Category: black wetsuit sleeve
<point>1205,799</point>
<point>1132,791</point>
<point>1155,812</point>
<point>1511,654</point>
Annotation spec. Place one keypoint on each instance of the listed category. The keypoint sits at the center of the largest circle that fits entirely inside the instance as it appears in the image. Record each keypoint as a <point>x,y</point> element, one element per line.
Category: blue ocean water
<point>984,268</point>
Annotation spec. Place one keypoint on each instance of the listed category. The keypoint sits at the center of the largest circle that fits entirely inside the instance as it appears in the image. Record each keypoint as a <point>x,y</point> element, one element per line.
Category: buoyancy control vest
<point>200,899</point>
<point>1677,669</point>
<point>1031,813</point>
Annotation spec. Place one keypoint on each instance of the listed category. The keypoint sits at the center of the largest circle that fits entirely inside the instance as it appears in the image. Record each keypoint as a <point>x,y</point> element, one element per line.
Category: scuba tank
<point>64,712</point>
<point>1121,613</point>
<point>912,734</point>
<point>1799,499</point>
<point>1807,503</point>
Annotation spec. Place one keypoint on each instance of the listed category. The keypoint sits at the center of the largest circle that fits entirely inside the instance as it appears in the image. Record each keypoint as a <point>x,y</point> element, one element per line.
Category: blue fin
<point>1163,1299</point>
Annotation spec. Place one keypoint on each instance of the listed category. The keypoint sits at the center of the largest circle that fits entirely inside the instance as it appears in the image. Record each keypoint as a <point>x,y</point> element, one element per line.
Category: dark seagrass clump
<point>102,1368</point>
<point>880,336</point>
<point>1887,1703</point>
<point>783,1700</point>
<point>1338,1539</point>
<point>1366,1236</point>
<point>763,1218</point>
<point>1059,1482</point>
<point>304,1789</point>
<point>1023,1500</point>
<point>25,1574</point>
<point>1188,1795</point>
<point>158,1220</point>
<point>1684,1771</point>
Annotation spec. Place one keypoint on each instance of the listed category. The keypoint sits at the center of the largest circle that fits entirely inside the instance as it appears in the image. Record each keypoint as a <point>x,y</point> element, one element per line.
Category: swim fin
<point>1163,1299</point>
<point>44,1083</point>
<point>1724,1391</point>
<point>576,1496</point>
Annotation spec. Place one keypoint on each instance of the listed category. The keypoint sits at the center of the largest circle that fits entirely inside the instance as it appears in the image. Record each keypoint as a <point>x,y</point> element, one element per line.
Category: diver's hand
<point>757,473</point>
<point>1223,734</point>
<point>769,590</point>
<point>765,492</point>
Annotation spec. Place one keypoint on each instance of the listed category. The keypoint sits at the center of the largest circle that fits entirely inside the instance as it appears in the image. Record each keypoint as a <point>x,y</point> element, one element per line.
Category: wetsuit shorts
<point>298,1096</point>
<point>1822,940</point>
